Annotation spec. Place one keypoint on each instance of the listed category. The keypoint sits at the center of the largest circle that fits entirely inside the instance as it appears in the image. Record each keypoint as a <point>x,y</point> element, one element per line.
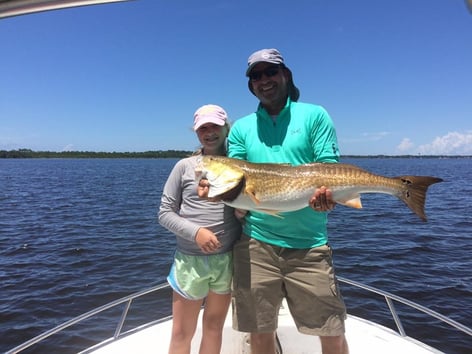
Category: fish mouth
<point>199,170</point>
<point>200,174</point>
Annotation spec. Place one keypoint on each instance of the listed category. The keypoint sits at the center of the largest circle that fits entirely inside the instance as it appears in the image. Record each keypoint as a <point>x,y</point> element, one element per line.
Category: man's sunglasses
<point>268,72</point>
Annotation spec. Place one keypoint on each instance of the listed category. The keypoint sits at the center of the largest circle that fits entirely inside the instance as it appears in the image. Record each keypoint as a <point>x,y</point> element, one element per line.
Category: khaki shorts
<point>265,274</point>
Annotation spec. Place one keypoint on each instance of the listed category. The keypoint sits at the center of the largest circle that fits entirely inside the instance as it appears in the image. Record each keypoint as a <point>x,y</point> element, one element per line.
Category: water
<point>78,233</point>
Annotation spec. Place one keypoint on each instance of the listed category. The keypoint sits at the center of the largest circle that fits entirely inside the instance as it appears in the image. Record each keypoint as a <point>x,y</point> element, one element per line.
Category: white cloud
<point>365,137</point>
<point>453,143</point>
<point>405,145</point>
<point>68,147</point>
<point>375,136</point>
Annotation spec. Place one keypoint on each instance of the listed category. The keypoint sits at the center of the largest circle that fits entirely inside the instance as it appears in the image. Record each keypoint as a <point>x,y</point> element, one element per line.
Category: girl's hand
<point>207,240</point>
<point>203,188</point>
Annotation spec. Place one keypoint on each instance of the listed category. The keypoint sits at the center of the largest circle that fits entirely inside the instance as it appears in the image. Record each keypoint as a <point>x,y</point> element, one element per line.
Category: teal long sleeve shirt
<point>301,133</point>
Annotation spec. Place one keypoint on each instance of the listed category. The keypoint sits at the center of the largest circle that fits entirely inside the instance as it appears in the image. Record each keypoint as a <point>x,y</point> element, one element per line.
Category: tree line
<point>27,153</point>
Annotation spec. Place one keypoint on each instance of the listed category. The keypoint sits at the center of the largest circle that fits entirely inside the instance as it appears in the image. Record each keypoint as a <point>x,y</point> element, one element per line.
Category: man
<point>289,256</point>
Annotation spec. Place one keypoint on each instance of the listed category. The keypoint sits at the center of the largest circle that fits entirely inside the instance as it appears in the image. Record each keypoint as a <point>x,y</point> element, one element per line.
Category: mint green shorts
<point>194,276</point>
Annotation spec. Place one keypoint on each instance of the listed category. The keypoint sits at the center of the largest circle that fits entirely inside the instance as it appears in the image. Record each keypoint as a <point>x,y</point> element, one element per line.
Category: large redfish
<point>274,188</point>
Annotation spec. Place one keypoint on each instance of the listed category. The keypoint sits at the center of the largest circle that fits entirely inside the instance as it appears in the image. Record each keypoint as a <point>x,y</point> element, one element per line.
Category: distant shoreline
<point>27,153</point>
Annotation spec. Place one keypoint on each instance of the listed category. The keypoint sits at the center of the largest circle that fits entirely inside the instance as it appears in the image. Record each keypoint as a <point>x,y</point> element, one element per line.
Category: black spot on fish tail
<point>230,195</point>
<point>414,194</point>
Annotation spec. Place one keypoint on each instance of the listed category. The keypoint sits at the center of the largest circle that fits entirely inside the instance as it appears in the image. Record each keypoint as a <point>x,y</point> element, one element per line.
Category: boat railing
<point>390,298</point>
<point>127,301</point>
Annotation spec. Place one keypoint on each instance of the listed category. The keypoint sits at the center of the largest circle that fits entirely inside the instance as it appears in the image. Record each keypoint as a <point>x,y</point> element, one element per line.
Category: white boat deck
<point>363,337</point>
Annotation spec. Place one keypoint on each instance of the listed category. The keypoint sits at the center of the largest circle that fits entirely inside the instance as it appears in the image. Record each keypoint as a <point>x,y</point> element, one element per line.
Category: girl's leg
<point>214,315</point>
<point>185,316</point>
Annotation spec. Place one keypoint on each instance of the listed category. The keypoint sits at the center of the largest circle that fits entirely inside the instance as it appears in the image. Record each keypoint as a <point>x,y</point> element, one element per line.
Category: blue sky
<point>395,76</point>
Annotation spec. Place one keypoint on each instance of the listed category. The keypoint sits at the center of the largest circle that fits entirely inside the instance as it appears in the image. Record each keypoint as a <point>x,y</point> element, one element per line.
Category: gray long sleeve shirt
<point>182,212</point>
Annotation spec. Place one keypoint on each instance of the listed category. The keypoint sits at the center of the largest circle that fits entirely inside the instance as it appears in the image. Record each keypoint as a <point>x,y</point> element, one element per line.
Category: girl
<point>205,232</point>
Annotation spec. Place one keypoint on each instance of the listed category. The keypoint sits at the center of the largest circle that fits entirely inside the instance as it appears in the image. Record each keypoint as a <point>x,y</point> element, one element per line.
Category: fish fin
<point>249,190</point>
<point>414,195</point>
<point>354,202</point>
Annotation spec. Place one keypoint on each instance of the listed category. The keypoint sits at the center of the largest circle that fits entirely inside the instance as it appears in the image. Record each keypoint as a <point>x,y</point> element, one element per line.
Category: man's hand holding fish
<point>322,200</point>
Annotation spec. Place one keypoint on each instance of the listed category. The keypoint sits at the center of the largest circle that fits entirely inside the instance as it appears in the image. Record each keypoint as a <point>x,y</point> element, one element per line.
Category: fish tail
<point>414,193</point>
